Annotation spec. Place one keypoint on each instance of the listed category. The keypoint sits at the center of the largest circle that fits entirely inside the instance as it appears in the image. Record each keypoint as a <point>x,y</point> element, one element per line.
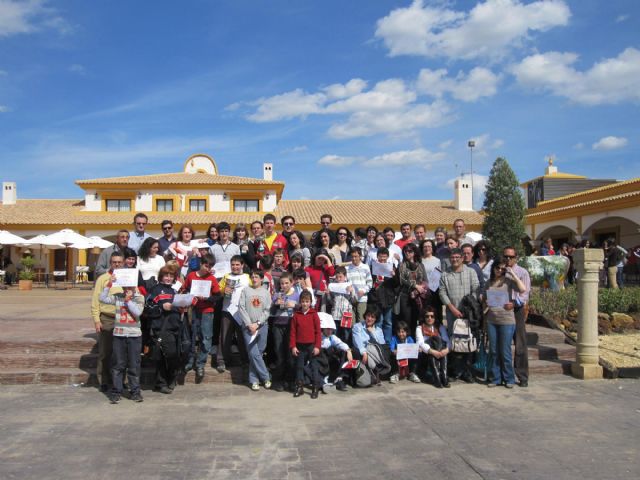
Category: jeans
<point>201,336</point>
<point>126,355</point>
<point>257,369</point>
<point>385,322</point>
<point>500,338</point>
<point>228,328</point>
<point>282,370</point>
<point>620,277</point>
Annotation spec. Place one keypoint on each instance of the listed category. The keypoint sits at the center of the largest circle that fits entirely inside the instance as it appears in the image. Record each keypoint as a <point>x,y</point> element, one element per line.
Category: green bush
<point>559,304</point>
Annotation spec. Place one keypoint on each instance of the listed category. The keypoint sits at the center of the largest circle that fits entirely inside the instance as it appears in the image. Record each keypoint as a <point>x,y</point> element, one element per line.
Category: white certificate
<point>433,279</point>
<point>201,288</point>
<point>407,350</point>
<point>221,269</point>
<point>176,286</point>
<point>339,287</point>
<point>182,300</point>
<point>126,277</point>
<point>497,298</point>
<point>382,269</point>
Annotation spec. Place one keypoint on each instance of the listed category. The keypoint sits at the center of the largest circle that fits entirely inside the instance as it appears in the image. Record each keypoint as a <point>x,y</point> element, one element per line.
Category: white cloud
<point>610,143</point>
<point>484,143</point>
<point>610,81</point>
<point>480,82</point>
<point>622,18</point>
<point>336,161</point>
<point>446,144</point>
<point>578,146</point>
<point>490,29</point>
<point>287,105</point>
<point>29,16</point>
<point>352,87</point>
<point>296,149</point>
<point>4,109</point>
<point>418,157</point>
<point>386,95</point>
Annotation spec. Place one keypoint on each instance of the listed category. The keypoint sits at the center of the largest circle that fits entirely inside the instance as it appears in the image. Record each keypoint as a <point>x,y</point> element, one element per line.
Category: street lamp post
<point>471,144</point>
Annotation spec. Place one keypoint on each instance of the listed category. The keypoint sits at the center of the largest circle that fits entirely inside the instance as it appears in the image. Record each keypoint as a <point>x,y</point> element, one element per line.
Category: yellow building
<point>199,195</point>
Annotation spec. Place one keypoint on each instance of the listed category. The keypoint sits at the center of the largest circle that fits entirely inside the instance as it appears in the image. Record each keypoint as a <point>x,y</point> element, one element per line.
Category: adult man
<point>521,311</point>
<point>455,284</point>
<point>272,239</point>
<point>103,263</point>
<point>103,316</point>
<point>405,231</point>
<point>440,236</point>
<point>467,259</point>
<point>395,252</point>
<point>325,223</point>
<point>459,233</point>
<point>223,250</point>
<point>419,234</point>
<point>288,225</point>
<point>167,238</point>
<point>139,235</point>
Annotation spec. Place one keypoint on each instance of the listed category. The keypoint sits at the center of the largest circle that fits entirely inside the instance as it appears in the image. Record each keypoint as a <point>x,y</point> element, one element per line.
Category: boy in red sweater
<point>202,316</point>
<point>305,339</point>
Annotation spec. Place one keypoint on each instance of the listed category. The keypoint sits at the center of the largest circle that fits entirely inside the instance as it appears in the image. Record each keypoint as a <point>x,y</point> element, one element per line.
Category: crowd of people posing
<point>339,309</point>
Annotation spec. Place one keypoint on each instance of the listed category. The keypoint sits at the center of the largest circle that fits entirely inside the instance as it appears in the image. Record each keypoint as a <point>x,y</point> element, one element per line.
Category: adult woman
<point>212,234</point>
<point>149,262</point>
<point>241,238</point>
<point>378,242</point>
<point>614,262</point>
<point>297,247</point>
<point>444,253</point>
<point>481,258</point>
<point>324,242</point>
<point>429,260</point>
<point>413,286</point>
<point>182,249</point>
<point>371,236</point>
<point>432,269</point>
<point>501,321</point>
<point>343,246</point>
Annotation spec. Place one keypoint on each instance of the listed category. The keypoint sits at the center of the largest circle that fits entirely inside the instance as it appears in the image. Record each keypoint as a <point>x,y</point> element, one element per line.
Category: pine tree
<point>504,209</point>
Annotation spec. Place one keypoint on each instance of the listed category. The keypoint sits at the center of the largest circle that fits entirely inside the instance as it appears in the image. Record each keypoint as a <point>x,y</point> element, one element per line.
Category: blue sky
<point>355,99</point>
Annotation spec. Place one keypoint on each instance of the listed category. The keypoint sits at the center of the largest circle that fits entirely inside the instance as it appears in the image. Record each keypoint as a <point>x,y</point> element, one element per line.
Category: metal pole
<point>471,144</point>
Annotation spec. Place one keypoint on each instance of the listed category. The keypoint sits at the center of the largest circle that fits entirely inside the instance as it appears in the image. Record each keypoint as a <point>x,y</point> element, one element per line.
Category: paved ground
<point>558,428</point>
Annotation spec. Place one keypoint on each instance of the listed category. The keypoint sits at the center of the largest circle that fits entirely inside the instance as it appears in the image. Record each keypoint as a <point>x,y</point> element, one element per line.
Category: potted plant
<point>26,275</point>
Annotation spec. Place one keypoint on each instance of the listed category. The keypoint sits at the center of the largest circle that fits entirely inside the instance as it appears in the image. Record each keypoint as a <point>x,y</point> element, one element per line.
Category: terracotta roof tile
<point>584,204</point>
<point>177,179</point>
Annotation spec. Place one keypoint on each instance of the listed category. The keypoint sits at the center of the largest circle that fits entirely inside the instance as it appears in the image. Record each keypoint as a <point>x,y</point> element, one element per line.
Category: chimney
<point>9,193</point>
<point>267,171</point>
<point>463,195</point>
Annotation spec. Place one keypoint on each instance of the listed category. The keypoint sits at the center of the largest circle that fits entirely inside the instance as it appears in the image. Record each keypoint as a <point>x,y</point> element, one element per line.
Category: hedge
<point>559,304</point>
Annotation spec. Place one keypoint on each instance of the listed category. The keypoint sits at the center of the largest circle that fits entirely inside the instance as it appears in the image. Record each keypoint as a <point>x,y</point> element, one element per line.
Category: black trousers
<point>307,364</point>
<point>521,357</point>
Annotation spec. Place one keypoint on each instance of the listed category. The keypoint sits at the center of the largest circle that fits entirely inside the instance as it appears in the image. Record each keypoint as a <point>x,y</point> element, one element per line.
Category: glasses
<point>342,234</point>
<point>509,257</point>
<point>482,249</point>
<point>325,223</point>
<point>167,228</point>
<point>141,223</point>
<point>429,315</point>
<point>288,224</point>
<point>455,257</point>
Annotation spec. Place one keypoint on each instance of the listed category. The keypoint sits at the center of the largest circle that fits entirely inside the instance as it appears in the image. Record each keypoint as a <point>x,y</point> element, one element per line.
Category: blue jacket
<point>362,337</point>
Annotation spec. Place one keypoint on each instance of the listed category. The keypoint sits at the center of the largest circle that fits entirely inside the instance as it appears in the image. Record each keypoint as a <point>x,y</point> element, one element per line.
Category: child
<point>319,271</point>
<point>127,339</point>
<point>304,341</point>
<point>301,282</point>
<point>202,316</point>
<point>266,264</point>
<point>278,268</point>
<point>383,296</point>
<point>282,308</point>
<point>359,238</point>
<point>333,353</point>
<point>232,285</point>
<point>342,310</point>
<point>253,307</point>
<point>402,368</point>
<point>360,277</point>
<point>433,342</point>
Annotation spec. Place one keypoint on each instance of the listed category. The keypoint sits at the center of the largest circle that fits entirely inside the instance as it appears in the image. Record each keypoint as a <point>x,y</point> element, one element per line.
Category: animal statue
<point>548,272</point>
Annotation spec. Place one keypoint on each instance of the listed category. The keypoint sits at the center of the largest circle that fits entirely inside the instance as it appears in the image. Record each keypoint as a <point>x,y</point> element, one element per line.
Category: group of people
<point>337,309</point>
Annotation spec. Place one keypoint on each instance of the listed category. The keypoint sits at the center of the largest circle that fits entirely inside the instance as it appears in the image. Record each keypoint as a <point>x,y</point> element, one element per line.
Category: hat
<point>326,320</point>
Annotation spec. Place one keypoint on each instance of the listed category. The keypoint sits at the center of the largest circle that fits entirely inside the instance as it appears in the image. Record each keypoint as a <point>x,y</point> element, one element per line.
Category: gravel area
<point>621,350</point>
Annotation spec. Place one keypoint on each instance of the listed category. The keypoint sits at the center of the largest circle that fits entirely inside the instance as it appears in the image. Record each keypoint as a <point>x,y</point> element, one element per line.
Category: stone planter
<point>25,284</point>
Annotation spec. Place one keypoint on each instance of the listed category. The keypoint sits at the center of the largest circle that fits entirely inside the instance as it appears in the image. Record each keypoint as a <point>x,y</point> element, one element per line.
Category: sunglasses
<point>141,223</point>
<point>342,234</point>
<point>509,257</point>
<point>288,224</point>
<point>429,315</point>
<point>167,228</point>
<point>325,223</point>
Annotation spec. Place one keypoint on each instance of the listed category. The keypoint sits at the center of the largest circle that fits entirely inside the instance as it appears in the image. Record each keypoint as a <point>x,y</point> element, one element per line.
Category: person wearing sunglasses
<point>167,237</point>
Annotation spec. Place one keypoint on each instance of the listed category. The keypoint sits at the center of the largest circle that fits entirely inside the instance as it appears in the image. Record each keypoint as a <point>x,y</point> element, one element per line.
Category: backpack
<point>151,309</point>
<point>462,339</point>
<point>363,376</point>
<point>377,365</point>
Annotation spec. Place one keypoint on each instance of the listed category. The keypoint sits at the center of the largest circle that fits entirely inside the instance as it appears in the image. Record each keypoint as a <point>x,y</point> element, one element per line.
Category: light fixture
<point>139,195</point>
<point>224,197</point>
<point>266,196</point>
<point>96,196</point>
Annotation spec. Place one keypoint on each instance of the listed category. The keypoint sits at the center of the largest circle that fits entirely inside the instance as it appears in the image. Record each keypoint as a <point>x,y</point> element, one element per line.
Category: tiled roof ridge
<point>161,176</point>
<point>583,204</point>
<point>591,191</point>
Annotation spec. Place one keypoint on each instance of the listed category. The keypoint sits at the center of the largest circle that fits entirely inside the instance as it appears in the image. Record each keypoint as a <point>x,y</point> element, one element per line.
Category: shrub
<point>558,304</point>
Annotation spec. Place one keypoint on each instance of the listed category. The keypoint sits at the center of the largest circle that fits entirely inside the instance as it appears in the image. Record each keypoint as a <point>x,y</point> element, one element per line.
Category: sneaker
<point>164,389</point>
<point>137,397</point>
<point>328,388</point>
<point>255,387</point>
<point>524,383</point>
<point>414,378</point>
<point>267,384</point>
<point>394,378</point>
<point>341,386</point>
<point>200,372</point>
<point>509,385</point>
<point>220,368</point>
<point>492,385</point>
<point>114,398</point>
<point>278,387</point>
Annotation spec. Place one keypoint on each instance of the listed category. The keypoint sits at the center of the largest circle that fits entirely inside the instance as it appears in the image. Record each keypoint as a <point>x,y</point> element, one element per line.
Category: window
<point>197,205</point>
<point>245,205</point>
<point>164,205</point>
<point>118,205</point>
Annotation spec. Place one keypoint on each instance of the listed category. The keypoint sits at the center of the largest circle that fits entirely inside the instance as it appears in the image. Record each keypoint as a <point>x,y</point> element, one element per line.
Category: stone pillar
<point>588,262</point>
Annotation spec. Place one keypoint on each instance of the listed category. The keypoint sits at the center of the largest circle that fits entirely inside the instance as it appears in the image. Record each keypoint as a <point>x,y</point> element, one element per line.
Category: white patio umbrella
<point>475,236</point>
<point>65,237</point>
<point>38,242</point>
<point>8,238</point>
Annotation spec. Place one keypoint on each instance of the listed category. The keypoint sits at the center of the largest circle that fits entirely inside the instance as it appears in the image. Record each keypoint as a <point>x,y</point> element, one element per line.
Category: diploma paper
<point>182,300</point>
<point>433,279</point>
<point>201,288</point>
<point>407,350</point>
<point>221,269</point>
<point>339,287</point>
<point>381,269</point>
<point>497,298</point>
<point>126,277</point>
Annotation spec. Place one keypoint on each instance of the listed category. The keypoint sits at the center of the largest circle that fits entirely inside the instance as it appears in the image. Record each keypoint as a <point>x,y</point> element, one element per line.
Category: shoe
<point>340,385</point>
<point>328,388</point>
<point>509,385</point>
<point>492,385</point>
<point>220,368</point>
<point>278,387</point>
<point>164,389</point>
<point>467,378</point>
<point>255,387</point>
<point>188,367</point>
<point>137,397</point>
<point>267,384</point>
<point>114,398</point>
<point>414,378</point>
<point>394,378</point>
<point>299,390</point>
<point>524,383</point>
<point>314,392</point>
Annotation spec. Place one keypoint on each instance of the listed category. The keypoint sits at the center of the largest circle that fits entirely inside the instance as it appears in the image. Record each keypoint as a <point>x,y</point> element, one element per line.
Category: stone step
<point>549,367</point>
<point>78,346</point>
<point>557,351</point>
<point>537,335</point>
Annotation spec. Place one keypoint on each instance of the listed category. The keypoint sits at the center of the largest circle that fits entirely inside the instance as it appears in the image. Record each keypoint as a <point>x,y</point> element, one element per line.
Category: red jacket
<point>305,328</point>
<point>279,242</point>
<point>207,305</point>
